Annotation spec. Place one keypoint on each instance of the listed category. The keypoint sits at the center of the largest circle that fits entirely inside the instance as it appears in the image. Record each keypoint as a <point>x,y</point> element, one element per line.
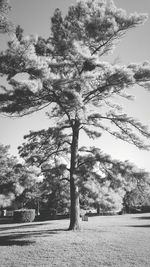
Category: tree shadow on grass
<point>6,220</point>
<point>12,227</point>
<point>26,237</point>
<point>14,241</point>
<point>143,218</point>
<point>140,226</point>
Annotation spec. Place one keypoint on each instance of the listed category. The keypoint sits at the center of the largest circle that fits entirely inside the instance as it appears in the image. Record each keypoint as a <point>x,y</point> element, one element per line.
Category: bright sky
<point>34,17</point>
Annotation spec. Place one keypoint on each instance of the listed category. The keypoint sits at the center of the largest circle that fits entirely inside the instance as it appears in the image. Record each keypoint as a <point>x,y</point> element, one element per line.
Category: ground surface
<point>117,241</point>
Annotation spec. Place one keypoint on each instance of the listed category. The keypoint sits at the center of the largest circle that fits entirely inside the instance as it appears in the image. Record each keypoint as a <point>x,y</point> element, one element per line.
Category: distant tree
<point>67,72</point>
<point>111,185</point>
<point>101,186</point>
<point>27,192</point>
<point>15,178</point>
<point>40,150</point>
<point>5,24</point>
<point>54,189</point>
<point>19,33</point>
<point>137,190</point>
<point>7,174</point>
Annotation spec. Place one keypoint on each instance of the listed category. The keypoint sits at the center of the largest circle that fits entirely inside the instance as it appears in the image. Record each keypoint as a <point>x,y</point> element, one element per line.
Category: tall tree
<point>66,72</point>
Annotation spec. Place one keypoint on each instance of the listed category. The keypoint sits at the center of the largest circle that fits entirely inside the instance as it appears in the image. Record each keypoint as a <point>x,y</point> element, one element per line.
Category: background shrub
<point>24,215</point>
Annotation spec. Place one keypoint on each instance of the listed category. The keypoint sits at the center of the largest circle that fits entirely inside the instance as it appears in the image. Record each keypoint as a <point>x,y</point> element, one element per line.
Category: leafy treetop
<point>66,70</point>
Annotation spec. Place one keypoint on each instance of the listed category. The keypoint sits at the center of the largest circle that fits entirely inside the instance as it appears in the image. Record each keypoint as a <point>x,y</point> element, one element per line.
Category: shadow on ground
<point>25,238</point>
<point>140,226</point>
<point>6,220</point>
<point>143,218</point>
<point>13,240</point>
<point>12,227</point>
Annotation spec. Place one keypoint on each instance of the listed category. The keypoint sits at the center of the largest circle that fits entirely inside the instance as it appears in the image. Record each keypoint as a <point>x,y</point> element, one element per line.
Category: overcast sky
<point>34,18</point>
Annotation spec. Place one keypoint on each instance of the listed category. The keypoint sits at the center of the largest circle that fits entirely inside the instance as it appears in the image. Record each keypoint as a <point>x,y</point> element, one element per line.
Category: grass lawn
<point>116,241</point>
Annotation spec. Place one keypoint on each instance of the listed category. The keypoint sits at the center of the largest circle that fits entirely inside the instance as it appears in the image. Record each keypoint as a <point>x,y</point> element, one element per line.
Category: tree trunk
<point>74,192</point>
<point>98,209</point>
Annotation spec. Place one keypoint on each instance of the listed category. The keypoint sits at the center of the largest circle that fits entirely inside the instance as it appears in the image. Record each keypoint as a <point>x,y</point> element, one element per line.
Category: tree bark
<point>74,191</point>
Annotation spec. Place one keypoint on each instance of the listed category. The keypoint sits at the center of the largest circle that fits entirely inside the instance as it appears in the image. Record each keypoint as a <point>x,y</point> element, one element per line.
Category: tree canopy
<point>67,72</point>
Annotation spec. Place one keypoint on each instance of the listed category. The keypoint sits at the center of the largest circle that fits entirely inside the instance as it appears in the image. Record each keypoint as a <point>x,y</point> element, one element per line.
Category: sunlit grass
<point>115,241</point>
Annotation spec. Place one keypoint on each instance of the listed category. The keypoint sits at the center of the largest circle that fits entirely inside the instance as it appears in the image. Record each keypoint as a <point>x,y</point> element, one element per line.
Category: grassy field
<point>116,241</point>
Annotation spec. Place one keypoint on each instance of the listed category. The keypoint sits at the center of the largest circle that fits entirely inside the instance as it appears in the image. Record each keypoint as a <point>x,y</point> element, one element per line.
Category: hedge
<point>24,215</point>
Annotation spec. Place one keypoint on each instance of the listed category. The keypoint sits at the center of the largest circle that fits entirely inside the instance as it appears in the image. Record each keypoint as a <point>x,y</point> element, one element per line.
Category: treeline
<point>117,188</point>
